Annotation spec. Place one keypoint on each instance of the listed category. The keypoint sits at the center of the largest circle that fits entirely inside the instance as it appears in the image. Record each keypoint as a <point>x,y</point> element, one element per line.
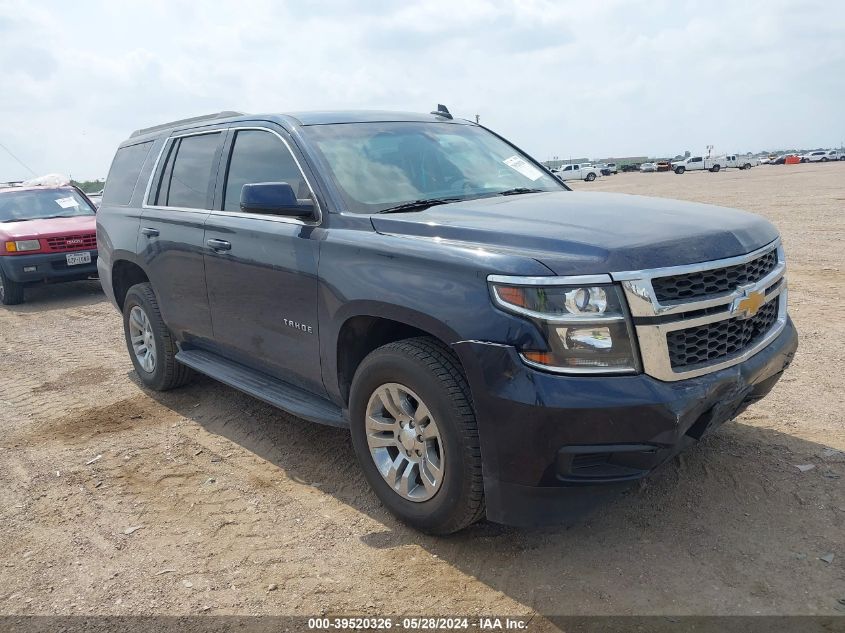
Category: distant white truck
<point>741,162</point>
<point>700,163</point>
<point>578,171</point>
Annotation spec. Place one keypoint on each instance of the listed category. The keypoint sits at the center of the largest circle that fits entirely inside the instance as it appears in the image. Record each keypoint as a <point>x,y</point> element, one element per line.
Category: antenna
<point>9,152</point>
<point>443,111</point>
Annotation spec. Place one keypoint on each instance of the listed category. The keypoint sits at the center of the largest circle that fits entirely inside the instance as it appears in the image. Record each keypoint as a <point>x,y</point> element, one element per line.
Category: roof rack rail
<point>225,114</point>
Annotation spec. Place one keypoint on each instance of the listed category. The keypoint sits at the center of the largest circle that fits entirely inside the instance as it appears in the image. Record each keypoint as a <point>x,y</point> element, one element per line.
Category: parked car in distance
<point>47,235</point>
<point>699,163</point>
<point>95,197</point>
<point>607,168</point>
<point>578,171</point>
<point>819,156</point>
<point>787,159</point>
<point>496,343</point>
<point>741,162</point>
<point>663,165</point>
<point>648,167</point>
<point>612,168</point>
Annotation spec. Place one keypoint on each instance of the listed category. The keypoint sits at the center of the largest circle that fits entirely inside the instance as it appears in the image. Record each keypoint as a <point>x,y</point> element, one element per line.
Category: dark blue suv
<point>498,344</point>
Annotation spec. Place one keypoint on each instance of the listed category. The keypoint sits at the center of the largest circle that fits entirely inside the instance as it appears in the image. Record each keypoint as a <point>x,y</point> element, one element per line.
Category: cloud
<point>557,77</point>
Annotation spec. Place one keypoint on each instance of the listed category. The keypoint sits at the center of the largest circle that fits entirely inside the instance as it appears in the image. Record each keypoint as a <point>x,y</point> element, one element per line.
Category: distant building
<point>626,160</point>
<point>555,164</point>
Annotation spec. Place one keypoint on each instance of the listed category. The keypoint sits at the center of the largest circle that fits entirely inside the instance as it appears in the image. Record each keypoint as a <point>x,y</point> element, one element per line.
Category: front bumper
<point>48,267</point>
<point>547,440</point>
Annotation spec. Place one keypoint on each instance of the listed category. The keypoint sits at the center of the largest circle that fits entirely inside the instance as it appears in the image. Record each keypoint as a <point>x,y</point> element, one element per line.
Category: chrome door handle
<point>149,232</point>
<point>219,245</point>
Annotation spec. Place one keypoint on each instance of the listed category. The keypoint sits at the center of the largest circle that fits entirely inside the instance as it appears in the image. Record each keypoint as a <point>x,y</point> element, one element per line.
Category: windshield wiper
<point>518,190</point>
<point>419,205</point>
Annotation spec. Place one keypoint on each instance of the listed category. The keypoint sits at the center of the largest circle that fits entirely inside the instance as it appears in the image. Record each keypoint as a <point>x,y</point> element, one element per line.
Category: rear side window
<point>186,177</point>
<point>259,156</point>
<point>124,172</point>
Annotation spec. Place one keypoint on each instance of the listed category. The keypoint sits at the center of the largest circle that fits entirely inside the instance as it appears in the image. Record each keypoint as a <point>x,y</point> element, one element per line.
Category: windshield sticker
<point>66,203</point>
<point>524,168</point>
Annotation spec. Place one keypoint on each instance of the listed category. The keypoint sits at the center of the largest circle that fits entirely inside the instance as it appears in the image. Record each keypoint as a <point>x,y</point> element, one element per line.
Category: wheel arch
<point>360,333</point>
<point>124,275</point>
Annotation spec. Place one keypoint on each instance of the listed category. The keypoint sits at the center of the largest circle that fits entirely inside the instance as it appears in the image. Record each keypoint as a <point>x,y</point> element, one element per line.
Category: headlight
<point>587,329</point>
<point>22,245</point>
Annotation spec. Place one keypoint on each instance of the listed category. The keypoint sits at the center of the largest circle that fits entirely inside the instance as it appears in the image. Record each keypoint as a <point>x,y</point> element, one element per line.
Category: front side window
<point>187,173</point>
<point>40,204</point>
<point>380,165</point>
<point>124,172</point>
<point>259,156</point>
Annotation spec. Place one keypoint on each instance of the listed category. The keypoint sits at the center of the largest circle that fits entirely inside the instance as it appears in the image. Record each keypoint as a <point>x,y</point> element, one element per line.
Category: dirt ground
<point>114,500</point>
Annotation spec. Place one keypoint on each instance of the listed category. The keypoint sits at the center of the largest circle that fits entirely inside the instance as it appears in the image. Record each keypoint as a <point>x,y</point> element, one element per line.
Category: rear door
<point>261,269</point>
<point>172,224</point>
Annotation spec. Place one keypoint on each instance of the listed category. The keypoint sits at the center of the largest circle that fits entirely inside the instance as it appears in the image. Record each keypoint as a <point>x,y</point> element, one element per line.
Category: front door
<point>261,269</point>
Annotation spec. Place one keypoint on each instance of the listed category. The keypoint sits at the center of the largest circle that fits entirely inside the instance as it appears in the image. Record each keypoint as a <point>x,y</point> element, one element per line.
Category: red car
<point>47,234</point>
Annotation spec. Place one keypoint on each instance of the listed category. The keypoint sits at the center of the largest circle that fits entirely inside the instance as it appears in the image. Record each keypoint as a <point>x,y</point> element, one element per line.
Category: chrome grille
<point>705,343</point>
<point>713,282</point>
<point>690,320</point>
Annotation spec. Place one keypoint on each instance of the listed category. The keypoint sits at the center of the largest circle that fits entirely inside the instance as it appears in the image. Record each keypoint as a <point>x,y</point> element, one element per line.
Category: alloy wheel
<point>143,341</point>
<point>404,442</point>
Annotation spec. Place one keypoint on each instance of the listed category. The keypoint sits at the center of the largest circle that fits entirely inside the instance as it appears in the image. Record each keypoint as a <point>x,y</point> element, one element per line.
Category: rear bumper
<point>48,267</point>
<point>552,445</point>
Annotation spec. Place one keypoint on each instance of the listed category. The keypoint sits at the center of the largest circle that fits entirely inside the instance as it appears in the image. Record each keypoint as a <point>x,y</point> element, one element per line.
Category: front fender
<point>438,288</point>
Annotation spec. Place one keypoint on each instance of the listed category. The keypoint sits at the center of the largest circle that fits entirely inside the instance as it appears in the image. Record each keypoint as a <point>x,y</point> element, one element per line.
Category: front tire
<point>149,341</point>
<point>680,170</point>
<point>415,435</point>
<point>11,292</point>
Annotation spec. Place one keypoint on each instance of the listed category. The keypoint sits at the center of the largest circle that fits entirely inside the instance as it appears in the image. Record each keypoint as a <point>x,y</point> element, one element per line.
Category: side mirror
<point>276,198</point>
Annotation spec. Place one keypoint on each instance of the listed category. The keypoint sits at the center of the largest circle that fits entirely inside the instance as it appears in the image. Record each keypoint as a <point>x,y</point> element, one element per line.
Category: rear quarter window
<point>124,172</point>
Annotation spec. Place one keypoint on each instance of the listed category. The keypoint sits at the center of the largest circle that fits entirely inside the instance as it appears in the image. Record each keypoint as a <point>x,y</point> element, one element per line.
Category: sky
<point>589,78</point>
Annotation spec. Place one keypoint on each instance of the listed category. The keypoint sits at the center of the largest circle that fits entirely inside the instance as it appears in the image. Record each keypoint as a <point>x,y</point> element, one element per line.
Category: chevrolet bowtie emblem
<point>747,306</point>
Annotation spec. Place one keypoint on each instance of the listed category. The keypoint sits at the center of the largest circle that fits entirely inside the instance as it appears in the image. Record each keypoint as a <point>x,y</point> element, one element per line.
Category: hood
<point>48,227</point>
<point>590,233</point>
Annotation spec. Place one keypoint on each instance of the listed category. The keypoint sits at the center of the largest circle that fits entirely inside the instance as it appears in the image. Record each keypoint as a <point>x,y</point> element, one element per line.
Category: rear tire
<point>824,159</point>
<point>149,341</point>
<point>424,384</point>
<point>11,292</point>
<point>590,177</point>
<point>715,168</point>
<point>747,166</point>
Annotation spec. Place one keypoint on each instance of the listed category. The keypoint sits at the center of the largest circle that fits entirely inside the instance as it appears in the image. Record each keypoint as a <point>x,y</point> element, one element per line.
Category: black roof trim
<point>225,114</point>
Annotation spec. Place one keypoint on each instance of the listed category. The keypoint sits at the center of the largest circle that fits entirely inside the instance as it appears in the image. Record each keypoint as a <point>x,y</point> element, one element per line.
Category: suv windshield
<point>38,204</point>
<point>380,166</point>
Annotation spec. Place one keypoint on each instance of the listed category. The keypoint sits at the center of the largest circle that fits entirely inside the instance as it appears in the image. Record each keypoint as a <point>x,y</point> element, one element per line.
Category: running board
<point>271,390</point>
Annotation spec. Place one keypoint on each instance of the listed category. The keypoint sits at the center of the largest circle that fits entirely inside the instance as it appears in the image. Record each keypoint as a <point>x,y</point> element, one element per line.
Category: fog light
<point>30,269</point>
